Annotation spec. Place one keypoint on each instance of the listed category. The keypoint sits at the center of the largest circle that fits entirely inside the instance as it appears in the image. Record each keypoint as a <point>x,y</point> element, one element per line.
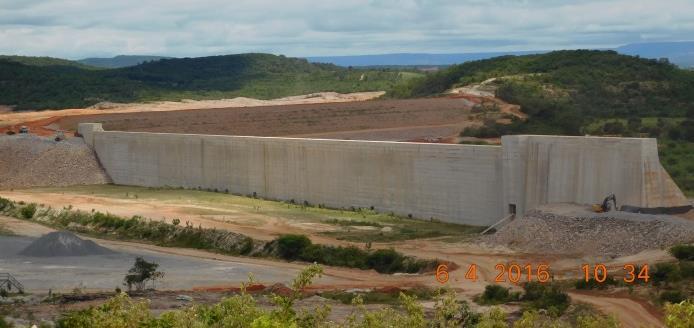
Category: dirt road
<point>266,227</point>
<point>630,313</point>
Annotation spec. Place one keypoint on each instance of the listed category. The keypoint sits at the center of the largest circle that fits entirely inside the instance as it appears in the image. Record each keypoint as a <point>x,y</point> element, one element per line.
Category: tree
<point>142,272</point>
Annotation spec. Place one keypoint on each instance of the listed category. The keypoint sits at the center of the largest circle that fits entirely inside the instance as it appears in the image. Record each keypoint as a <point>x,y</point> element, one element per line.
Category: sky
<point>76,29</point>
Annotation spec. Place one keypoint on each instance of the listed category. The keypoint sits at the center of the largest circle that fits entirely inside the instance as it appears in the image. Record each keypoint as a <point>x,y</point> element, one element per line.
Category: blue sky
<point>83,28</point>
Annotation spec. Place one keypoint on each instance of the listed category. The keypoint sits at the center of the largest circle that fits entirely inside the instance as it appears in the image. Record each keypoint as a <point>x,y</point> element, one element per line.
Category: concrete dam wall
<point>465,184</point>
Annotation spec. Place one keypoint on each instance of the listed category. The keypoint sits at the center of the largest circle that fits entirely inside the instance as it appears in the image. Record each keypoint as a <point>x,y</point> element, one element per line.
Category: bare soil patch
<point>370,120</point>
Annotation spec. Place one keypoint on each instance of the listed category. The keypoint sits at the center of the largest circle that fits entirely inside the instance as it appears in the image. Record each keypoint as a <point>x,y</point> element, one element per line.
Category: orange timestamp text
<point>514,273</point>
<point>632,273</point>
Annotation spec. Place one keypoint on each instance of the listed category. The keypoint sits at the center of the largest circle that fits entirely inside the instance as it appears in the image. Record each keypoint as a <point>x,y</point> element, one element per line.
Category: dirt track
<point>461,253</point>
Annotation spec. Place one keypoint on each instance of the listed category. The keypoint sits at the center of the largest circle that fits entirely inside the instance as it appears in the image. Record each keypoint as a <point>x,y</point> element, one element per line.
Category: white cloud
<point>80,28</point>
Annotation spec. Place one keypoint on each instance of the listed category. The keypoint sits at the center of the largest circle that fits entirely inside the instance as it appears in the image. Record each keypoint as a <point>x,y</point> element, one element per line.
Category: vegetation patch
<point>299,247</point>
<point>351,224</point>
<point>288,247</point>
<point>30,83</point>
<point>380,297</point>
<point>580,92</point>
<point>496,294</point>
<point>536,296</point>
<point>243,310</point>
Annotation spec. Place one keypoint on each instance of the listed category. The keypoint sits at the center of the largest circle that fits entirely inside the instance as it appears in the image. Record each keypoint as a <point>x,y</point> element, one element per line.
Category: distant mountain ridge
<point>679,53</point>
<point>120,61</point>
<point>413,59</point>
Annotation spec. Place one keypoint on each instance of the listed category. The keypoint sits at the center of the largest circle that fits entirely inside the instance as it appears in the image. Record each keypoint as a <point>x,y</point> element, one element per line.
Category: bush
<point>242,310</point>
<point>687,269</point>
<point>666,272</point>
<point>28,211</point>
<point>683,252</point>
<point>5,204</point>
<point>672,296</point>
<point>142,272</point>
<point>494,294</point>
<point>594,284</point>
<point>385,261</point>
<point>291,246</point>
<point>3,323</point>
<point>546,296</point>
<point>679,315</point>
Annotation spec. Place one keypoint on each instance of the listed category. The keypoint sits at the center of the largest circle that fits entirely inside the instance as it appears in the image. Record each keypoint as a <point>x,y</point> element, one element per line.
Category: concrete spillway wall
<point>456,183</point>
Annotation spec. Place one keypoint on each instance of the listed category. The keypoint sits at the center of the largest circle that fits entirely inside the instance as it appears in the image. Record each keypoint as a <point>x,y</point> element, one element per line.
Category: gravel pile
<point>63,243</point>
<point>584,233</point>
<point>32,161</point>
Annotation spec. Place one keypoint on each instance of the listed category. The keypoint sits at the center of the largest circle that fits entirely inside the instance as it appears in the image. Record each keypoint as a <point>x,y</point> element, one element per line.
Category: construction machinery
<point>59,135</point>
<point>8,283</point>
<point>609,203</point>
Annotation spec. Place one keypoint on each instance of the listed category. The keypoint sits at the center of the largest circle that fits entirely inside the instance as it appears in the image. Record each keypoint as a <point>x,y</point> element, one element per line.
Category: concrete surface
<point>467,184</point>
<point>584,170</point>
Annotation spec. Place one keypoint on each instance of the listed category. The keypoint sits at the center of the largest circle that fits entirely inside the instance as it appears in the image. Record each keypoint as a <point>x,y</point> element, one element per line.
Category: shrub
<point>291,246</point>
<point>494,294</point>
<point>385,261</point>
<point>683,252</point>
<point>679,315</point>
<point>546,296</point>
<point>687,269</point>
<point>672,296</point>
<point>594,284</point>
<point>666,272</point>
<point>597,321</point>
<point>28,211</point>
<point>3,323</point>
<point>142,272</point>
<point>495,318</point>
<point>5,204</point>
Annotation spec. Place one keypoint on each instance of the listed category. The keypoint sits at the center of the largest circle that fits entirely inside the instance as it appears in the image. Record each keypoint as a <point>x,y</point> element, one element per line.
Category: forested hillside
<point>119,61</point>
<point>44,61</point>
<point>28,86</point>
<point>585,92</point>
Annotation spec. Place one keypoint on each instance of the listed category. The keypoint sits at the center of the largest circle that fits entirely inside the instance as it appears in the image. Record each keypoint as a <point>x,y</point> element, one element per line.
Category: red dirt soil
<point>43,127</point>
<point>366,120</point>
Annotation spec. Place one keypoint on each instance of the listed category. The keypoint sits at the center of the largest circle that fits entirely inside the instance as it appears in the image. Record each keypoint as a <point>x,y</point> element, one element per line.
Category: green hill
<point>585,92</point>
<point>119,61</point>
<point>45,61</point>
<point>251,75</point>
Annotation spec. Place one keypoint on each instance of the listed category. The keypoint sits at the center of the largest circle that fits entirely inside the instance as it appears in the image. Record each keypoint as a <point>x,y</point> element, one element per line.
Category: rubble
<point>33,161</point>
<point>611,234</point>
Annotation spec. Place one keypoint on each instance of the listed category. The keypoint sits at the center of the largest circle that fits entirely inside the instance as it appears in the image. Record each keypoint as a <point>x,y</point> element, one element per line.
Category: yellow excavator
<point>606,206</point>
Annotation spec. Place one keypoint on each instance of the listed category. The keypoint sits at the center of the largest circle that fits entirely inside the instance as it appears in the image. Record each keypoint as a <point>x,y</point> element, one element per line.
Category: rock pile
<point>32,161</point>
<point>610,234</point>
<point>63,243</point>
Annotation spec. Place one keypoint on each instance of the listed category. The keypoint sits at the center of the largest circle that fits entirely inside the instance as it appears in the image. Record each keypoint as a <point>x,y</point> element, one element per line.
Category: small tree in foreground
<point>142,272</point>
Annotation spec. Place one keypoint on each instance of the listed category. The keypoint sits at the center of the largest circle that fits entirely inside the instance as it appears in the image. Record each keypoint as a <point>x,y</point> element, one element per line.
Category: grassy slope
<point>577,92</point>
<point>347,222</point>
<point>252,75</point>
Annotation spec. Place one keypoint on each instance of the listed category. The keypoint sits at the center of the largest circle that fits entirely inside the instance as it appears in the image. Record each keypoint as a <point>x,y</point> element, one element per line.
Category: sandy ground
<point>462,254</point>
